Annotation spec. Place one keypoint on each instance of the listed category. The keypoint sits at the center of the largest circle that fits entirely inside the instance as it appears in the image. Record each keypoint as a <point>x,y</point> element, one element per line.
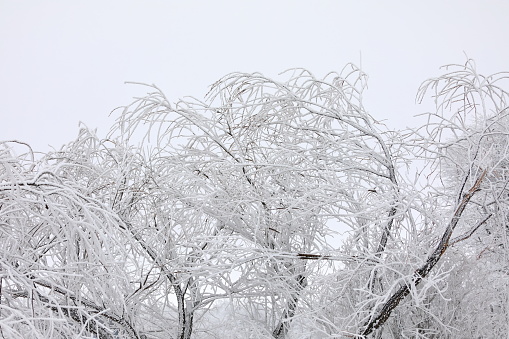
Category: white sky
<point>62,62</point>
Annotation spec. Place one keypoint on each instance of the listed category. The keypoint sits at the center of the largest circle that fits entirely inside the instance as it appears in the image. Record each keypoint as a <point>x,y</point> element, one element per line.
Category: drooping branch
<point>72,311</point>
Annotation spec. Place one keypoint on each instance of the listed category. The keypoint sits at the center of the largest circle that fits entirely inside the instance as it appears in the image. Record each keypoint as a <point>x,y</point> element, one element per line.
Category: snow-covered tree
<point>272,209</point>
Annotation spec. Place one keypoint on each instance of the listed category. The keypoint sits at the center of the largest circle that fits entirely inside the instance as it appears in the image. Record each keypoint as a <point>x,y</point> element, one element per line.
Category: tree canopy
<point>270,209</point>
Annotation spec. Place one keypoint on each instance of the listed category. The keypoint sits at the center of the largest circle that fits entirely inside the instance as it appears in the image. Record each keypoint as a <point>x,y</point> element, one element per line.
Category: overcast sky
<point>62,62</point>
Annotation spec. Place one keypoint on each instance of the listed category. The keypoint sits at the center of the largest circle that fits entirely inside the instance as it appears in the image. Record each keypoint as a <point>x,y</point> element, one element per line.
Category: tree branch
<point>387,308</point>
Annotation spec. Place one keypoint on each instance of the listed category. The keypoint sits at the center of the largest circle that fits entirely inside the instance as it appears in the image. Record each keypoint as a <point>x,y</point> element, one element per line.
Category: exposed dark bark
<point>382,245</point>
<point>284,325</point>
